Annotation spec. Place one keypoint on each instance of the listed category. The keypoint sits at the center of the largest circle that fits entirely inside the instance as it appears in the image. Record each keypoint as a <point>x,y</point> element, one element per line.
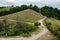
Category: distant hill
<point>27,15</point>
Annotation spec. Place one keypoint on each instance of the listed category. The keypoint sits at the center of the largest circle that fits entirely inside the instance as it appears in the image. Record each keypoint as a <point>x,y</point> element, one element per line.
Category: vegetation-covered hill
<point>27,15</point>
<point>46,10</point>
<point>32,14</point>
<point>19,27</point>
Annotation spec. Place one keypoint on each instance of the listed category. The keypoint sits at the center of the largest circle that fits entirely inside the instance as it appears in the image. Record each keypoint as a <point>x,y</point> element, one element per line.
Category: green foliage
<point>23,7</point>
<point>16,28</point>
<point>14,31</point>
<point>2,7</point>
<point>53,25</point>
<point>13,10</point>
<point>26,34</point>
<point>1,28</point>
<point>50,12</point>
<point>30,6</point>
<point>17,9</point>
<point>35,8</point>
<point>37,24</point>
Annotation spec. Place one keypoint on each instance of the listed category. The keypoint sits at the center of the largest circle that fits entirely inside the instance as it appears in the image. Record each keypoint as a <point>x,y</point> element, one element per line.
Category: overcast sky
<point>40,3</point>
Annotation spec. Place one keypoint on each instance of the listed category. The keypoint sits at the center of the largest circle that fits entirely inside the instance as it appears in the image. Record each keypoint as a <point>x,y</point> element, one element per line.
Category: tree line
<point>46,10</point>
<point>50,12</point>
<point>2,7</point>
<point>17,9</point>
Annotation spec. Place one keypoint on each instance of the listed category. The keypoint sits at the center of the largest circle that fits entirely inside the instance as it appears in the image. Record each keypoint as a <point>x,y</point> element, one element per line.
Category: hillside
<point>26,15</point>
<point>53,21</point>
<point>53,25</point>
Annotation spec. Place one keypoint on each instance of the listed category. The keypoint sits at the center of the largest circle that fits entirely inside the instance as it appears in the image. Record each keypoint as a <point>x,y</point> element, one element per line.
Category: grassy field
<point>53,25</point>
<point>7,8</point>
<point>26,15</point>
<point>53,21</point>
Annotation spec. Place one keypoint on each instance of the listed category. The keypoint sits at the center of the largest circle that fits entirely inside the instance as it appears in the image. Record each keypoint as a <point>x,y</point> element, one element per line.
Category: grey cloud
<point>40,3</point>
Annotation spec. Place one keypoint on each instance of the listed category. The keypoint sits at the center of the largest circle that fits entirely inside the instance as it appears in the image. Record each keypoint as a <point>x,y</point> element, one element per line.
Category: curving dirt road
<point>43,30</point>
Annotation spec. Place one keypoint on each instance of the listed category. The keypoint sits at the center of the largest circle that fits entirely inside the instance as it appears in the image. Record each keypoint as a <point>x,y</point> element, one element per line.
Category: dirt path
<point>43,30</point>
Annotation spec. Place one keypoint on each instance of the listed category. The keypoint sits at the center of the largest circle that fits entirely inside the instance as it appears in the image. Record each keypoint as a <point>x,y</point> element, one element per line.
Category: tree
<point>30,6</point>
<point>12,5</point>
<point>50,12</point>
<point>23,7</point>
<point>35,8</point>
<point>37,24</point>
<point>1,26</point>
<point>5,27</point>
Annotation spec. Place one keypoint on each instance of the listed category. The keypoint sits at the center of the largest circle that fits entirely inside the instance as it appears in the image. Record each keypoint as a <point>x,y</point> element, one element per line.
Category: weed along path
<point>43,31</point>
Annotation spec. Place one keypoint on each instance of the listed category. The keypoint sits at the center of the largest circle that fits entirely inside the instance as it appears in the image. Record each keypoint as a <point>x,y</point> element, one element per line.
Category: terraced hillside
<point>26,15</point>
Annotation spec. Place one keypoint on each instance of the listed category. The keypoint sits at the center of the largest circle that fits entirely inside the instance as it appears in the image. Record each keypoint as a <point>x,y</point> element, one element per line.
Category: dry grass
<point>54,22</point>
<point>26,15</point>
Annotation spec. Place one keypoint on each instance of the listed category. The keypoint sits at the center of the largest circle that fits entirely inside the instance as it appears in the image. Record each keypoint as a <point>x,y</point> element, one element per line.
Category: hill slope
<point>54,26</point>
<point>26,15</point>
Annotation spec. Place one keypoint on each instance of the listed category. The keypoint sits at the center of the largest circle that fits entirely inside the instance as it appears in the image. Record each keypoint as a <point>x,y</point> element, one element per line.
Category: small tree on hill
<point>5,27</point>
<point>37,24</point>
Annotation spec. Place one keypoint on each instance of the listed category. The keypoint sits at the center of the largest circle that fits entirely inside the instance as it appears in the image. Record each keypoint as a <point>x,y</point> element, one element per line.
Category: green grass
<point>54,27</point>
<point>7,8</point>
<point>26,15</point>
<point>55,24</point>
<point>12,27</point>
<point>53,21</point>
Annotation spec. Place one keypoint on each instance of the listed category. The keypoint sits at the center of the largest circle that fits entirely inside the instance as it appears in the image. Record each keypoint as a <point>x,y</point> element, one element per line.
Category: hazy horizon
<point>40,3</point>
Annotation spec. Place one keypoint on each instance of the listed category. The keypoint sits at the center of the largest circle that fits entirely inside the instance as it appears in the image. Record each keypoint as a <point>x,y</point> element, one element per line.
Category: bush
<point>26,34</point>
<point>12,29</point>
<point>37,24</point>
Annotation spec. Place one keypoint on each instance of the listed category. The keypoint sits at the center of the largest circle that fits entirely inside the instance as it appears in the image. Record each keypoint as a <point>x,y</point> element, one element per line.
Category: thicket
<point>16,28</point>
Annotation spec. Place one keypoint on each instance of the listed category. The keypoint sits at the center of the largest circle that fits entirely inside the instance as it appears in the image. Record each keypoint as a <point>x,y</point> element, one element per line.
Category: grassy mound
<point>26,15</point>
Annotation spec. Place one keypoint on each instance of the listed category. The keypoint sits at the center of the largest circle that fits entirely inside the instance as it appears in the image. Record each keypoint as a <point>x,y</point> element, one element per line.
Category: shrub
<point>37,24</point>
